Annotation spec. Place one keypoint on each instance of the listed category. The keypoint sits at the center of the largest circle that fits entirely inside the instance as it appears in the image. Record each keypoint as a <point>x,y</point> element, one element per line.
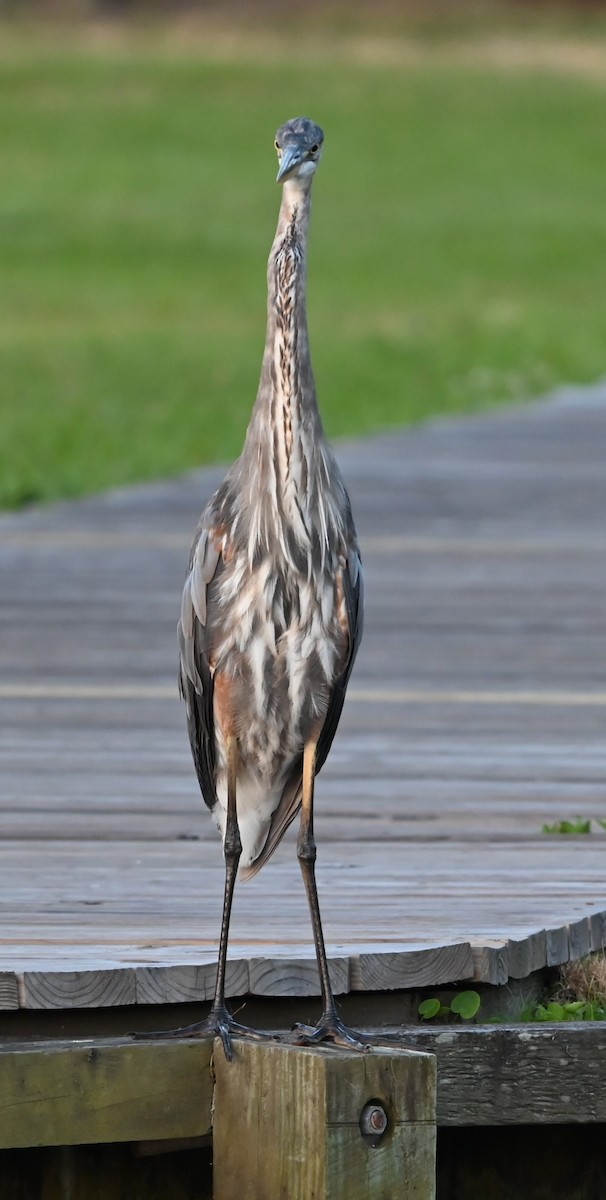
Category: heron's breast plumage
<point>278,639</point>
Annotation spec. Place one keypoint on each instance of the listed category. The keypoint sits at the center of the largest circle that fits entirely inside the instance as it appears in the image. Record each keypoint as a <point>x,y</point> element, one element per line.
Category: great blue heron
<point>272,606</point>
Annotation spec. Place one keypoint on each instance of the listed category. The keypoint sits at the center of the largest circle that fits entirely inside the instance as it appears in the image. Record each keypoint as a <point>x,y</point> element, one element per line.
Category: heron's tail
<point>284,815</point>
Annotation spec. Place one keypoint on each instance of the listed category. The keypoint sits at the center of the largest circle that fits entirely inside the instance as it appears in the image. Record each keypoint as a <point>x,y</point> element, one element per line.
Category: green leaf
<point>593,1011</point>
<point>573,1010</point>
<point>429,1008</point>
<point>540,1013</point>
<point>466,1004</point>
<point>578,825</point>
<point>574,1006</point>
<point>555,1011</point>
<point>602,821</point>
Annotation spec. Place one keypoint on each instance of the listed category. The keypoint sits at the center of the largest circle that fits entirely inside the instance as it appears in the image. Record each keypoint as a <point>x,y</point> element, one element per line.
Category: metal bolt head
<point>373,1122</point>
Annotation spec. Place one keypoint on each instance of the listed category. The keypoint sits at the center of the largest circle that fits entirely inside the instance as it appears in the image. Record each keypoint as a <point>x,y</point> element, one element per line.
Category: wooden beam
<point>517,1074</point>
<point>106,1090</point>
<point>289,1121</point>
<point>117,1090</point>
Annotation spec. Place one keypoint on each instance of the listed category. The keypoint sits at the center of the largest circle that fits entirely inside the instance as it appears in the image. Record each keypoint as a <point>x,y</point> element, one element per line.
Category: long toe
<point>224,1026</point>
<point>200,1029</point>
<point>219,1023</point>
<point>330,1030</point>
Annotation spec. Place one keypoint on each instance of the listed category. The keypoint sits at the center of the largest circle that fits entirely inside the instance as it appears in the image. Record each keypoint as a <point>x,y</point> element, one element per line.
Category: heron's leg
<point>330,1026</point>
<point>306,853</point>
<point>232,849</point>
<point>219,1022</point>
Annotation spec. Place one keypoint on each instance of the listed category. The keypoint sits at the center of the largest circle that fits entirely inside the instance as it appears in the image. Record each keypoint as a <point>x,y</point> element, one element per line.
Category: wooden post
<point>286,1123</point>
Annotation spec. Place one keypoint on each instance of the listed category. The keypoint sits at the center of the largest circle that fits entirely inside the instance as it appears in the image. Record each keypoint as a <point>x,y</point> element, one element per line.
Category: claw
<point>331,1029</point>
<point>219,1023</point>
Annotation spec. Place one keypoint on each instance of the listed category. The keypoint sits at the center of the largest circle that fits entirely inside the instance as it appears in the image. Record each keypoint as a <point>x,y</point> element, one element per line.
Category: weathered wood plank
<point>525,955</point>
<point>9,990</point>
<point>517,1074</point>
<point>579,938</point>
<point>297,1113</point>
<point>103,1091</point>
<point>80,989</point>
<point>186,982</point>
<point>385,971</point>
<point>155,910</point>
<point>491,961</point>
<point>289,976</point>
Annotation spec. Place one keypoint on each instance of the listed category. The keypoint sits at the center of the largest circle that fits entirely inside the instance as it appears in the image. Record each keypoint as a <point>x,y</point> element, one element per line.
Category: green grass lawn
<point>458,254</point>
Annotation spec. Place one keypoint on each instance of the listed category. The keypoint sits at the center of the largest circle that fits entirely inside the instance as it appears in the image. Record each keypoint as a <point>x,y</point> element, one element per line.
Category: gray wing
<point>195,675</point>
<point>353,586</point>
<point>290,802</point>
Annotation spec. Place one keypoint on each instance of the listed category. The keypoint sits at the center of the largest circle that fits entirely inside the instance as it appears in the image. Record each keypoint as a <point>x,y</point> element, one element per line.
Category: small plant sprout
<point>464,1005</point>
<point>579,995</point>
<point>576,825</point>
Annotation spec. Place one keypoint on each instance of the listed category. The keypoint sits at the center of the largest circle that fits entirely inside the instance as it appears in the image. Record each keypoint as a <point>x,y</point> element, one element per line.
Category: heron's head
<point>299,146</point>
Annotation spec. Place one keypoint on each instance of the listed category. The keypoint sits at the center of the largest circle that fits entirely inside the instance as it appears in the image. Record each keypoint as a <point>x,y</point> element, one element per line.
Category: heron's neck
<point>285,427</point>
<point>286,343</point>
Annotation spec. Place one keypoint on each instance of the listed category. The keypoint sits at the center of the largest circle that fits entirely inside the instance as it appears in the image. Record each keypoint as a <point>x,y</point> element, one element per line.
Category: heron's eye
<point>277,146</point>
<point>314,149</point>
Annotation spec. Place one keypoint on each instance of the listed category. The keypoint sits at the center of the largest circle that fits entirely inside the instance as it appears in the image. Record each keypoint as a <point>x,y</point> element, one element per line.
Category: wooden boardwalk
<point>476,713</point>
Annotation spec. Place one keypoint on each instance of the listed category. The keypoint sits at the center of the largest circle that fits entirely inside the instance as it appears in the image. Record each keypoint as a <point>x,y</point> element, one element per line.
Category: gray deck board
<point>476,714</point>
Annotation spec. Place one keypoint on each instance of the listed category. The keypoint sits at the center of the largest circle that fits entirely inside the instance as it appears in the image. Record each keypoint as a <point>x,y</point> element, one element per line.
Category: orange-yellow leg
<point>330,1026</point>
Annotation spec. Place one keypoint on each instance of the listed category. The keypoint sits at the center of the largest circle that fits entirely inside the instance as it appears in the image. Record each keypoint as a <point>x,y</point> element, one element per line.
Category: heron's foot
<point>331,1028</point>
<point>219,1023</point>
